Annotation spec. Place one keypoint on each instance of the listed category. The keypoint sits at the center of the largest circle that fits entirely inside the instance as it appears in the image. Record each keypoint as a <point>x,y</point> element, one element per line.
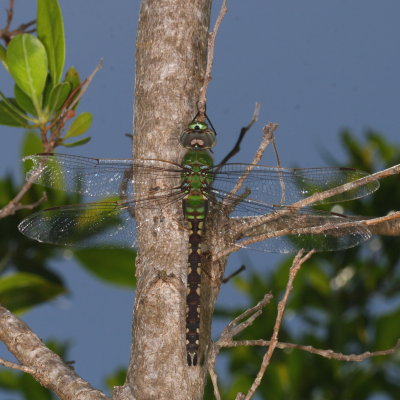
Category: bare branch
<point>348,186</point>
<point>237,272</point>
<point>70,103</point>
<point>321,352</point>
<point>15,205</point>
<point>232,329</point>
<point>235,326</point>
<point>214,380</point>
<point>10,14</point>
<point>44,365</point>
<point>201,105</point>
<point>6,34</point>
<point>268,132</point>
<point>243,131</point>
<point>389,222</point>
<point>18,367</point>
<point>296,265</point>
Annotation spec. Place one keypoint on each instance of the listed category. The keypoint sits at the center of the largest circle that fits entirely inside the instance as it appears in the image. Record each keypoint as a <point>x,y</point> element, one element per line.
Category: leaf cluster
<point>42,99</point>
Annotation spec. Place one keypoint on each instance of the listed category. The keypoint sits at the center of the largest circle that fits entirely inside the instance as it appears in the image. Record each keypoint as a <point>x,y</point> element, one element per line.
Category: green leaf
<point>50,29</point>
<point>24,101</point>
<point>9,117</point>
<point>48,87</point>
<point>9,380</point>
<point>27,63</point>
<point>78,143</point>
<point>33,390</point>
<point>31,144</point>
<point>387,330</point>
<point>58,95</point>
<point>73,78</point>
<point>22,291</point>
<point>117,378</point>
<point>111,265</point>
<point>3,56</point>
<point>80,125</point>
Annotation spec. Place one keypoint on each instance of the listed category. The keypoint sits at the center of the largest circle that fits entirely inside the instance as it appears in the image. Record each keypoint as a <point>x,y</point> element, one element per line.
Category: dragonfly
<point>240,191</point>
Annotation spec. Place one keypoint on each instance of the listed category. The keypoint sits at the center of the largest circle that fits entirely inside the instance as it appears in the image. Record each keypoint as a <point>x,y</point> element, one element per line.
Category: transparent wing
<point>105,224</point>
<point>305,229</point>
<point>83,225</point>
<point>99,177</point>
<point>285,229</point>
<point>287,185</point>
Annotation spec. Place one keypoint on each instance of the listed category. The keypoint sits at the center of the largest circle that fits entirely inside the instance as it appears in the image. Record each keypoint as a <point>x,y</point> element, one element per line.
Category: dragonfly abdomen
<point>195,209</point>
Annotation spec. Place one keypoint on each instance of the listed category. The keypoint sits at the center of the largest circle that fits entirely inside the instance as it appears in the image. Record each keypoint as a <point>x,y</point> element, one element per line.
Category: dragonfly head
<point>197,136</point>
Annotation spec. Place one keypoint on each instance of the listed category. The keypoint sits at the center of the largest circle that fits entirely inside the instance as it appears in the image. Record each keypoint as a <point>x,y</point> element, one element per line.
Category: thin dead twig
<point>294,269</point>
<point>268,134</point>
<point>214,380</point>
<point>15,205</point>
<point>236,326</point>
<point>23,368</point>
<point>243,131</point>
<point>201,105</point>
<point>237,272</point>
<point>279,166</point>
<point>70,103</point>
<point>6,34</point>
<point>321,352</point>
<point>233,328</point>
<point>316,197</point>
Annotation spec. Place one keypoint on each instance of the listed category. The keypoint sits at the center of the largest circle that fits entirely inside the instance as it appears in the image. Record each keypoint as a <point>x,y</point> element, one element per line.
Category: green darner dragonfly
<point>201,188</point>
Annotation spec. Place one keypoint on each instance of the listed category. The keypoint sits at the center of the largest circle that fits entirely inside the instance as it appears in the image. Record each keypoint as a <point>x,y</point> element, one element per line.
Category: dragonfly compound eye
<point>198,126</point>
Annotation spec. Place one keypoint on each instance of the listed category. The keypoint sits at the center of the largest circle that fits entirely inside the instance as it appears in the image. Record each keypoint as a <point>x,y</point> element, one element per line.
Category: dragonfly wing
<point>285,229</point>
<point>83,225</point>
<point>287,185</point>
<point>105,224</point>
<point>99,177</point>
<point>288,230</point>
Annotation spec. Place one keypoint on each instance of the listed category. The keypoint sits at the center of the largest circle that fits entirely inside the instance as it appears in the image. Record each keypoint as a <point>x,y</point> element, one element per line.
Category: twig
<point>296,265</point>
<point>268,132</point>
<point>70,103</point>
<point>233,328</point>
<point>201,105</point>
<point>279,166</point>
<point>316,197</point>
<point>14,204</point>
<point>46,367</point>
<point>6,34</point>
<point>243,131</point>
<point>18,367</point>
<point>330,354</point>
<point>237,272</point>
<point>10,14</point>
<point>214,380</point>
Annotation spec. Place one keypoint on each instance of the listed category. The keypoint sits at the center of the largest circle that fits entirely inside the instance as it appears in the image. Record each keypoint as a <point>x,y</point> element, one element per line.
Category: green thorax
<point>196,181</point>
<point>196,163</point>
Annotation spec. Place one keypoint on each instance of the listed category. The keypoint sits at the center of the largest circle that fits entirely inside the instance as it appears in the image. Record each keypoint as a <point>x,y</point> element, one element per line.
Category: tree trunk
<point>171,52</point>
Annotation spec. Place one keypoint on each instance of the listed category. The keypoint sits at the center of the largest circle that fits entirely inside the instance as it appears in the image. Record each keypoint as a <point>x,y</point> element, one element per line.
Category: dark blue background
<point>315,67</point>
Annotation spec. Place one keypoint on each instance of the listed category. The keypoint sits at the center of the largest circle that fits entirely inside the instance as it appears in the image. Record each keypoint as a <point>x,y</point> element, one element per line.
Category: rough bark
<point>45,366</point>
<point>170,63</point>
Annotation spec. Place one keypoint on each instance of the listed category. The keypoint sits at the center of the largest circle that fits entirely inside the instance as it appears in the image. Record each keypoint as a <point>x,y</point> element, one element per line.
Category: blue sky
<point>316,67</point>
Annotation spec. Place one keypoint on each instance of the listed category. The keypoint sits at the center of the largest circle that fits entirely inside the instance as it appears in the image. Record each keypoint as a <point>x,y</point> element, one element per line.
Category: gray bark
<point>170,63</point>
